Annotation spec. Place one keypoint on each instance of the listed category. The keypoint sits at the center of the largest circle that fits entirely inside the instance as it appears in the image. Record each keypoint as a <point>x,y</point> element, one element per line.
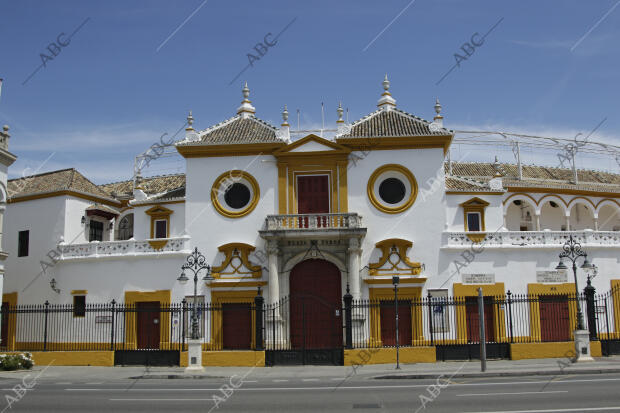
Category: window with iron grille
<point>79,305</point>
<point>96,231</point>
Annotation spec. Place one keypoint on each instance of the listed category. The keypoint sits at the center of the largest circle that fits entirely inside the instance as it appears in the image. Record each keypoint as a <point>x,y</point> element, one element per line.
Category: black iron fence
<point>308,323</point>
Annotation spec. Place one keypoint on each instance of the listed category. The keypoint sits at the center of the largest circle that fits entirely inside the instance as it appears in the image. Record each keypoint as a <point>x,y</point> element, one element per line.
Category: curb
<point>176,376</point>
<point>502,374</point>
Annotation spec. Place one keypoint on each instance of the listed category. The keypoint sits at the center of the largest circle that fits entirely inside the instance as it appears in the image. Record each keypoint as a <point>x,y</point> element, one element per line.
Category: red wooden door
<point>237,326</point>
<point>473,319</point>
<point>388,323</point>
<point>315,306</point>
<point>148,318</point>
<point>313,198</point>
<point>554,318</point>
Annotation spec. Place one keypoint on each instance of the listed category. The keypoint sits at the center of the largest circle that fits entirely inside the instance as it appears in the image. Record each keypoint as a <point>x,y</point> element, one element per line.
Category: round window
<point>392,190</point>
<point>237,195</point>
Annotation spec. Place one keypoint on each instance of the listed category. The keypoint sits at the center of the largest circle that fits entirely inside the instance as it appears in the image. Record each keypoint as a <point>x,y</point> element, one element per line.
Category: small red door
<point>473,319</point>
<point>388,323</point>
<point>237,326</point>
<point>316,310</point>
<point>148,318</point>
<point>313,197</point>
<point>554,318</point>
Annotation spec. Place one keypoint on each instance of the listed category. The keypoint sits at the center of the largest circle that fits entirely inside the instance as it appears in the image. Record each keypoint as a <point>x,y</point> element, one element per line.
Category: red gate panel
<point>315,306</point>
<point>554,318</point>
<point>148,324</point>
<point>473,319</point>
<point>237,326</point>
<point>388,323</point>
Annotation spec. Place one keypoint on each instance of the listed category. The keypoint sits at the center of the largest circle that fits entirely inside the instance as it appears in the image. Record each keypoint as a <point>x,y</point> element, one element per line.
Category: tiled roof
<point>457,183</point>
<point>238,130</point>
<point>151,186</point>
<point>62,180</point>
<point>539,176</point>
<point>391,123</point>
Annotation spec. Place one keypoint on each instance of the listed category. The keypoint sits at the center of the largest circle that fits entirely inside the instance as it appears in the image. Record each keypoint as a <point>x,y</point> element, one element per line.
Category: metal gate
<point>303,330</point>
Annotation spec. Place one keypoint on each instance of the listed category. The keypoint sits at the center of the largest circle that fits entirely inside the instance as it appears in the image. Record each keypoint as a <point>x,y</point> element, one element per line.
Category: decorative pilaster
<point>354,267</point>
<point>272,260</point>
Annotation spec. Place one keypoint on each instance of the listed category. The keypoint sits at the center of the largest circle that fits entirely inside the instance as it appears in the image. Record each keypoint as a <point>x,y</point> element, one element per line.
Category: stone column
<point>272,259</point>
<point>354,267</point>
<point>568,222</point>
<point>537,221</point>
<point>595,223</point>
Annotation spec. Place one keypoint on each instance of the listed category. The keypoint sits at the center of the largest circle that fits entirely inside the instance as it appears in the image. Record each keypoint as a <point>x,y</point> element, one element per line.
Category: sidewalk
<point>495,368</point>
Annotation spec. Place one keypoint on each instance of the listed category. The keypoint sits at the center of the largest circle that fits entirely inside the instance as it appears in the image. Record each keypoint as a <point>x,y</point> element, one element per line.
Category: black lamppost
<point>572,251</point>
<point>195,262</point>
<point>395,281</point>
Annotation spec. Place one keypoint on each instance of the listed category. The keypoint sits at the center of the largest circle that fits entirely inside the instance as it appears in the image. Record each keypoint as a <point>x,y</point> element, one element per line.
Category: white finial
<point>285,116</point>
<point>497,167</point>
<point>340,112</point>
<point>437,107</point>
<point>190,121</point>
<point>246,109</point>
<point>386,102</point>
<point>438,119</point>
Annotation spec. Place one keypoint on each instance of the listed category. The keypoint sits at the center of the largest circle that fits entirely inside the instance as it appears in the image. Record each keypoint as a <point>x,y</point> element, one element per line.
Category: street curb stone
<point>502,374</point>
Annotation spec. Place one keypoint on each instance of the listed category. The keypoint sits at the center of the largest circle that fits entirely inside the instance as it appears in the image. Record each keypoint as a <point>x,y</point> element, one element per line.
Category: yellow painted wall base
<point>523,351</point>
<point>229,358</point>
<point>388,355</point>
<point>72,358</point>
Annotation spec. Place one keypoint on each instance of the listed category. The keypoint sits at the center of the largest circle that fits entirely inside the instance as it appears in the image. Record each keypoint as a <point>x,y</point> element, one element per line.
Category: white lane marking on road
<point>505,394</point>
<point>339,378</point>
<point>310,380</point>
<point>583,409</point>
<point>279,380</point>
<point>64,382</point>
<point>250,381</point>
<point>348,387</point>
<point>97,382</point>
<point>160,400</point>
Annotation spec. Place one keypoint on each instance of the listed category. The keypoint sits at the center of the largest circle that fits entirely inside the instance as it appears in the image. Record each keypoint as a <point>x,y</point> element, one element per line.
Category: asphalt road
<point>540,394</point>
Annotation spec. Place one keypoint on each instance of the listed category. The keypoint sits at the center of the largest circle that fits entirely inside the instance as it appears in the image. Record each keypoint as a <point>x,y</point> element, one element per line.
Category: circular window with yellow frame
<point>235,194</point>
<point>392,189</point>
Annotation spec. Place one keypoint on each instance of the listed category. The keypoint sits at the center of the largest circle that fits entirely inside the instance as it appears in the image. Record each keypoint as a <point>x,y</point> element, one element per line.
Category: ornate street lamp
<point>572,251</point>
<point>396,281</point>
<point>196,262</point>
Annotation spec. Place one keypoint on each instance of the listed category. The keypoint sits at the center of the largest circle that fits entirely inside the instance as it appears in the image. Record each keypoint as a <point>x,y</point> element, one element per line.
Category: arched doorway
<point>316,310</point>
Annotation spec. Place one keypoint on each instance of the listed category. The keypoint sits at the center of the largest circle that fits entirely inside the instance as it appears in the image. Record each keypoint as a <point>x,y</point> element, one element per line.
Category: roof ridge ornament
<point>437,123</point>
<point>246,109</point>
<point>340,112</point>
<point>386,102</point>
<point>284,133</point>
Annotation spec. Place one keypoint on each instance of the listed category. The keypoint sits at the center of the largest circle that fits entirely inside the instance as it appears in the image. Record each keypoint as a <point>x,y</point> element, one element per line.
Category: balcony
<point>531,239</point>
<point>312,225</point>
<point>96,249</point>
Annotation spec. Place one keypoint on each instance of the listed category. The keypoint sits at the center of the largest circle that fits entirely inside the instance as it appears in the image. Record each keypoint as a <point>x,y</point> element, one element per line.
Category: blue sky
<point>110,93</point>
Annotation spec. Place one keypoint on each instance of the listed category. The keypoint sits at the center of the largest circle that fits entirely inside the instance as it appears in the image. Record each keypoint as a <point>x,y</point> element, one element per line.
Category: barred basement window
<point>79,305</point>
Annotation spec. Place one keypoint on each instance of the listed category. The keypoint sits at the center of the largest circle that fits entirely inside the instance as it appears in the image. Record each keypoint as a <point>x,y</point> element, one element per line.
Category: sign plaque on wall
<point>551,276</point>
<point>478,278</point>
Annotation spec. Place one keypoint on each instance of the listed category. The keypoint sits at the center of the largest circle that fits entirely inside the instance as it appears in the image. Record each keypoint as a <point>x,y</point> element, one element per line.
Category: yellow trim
<point>413,184</point>
<point>610,200</point>
<point>389,280</point>
<point>157,245</point>
<point>615,288</point>
<point>564,191</point>
<point>538,289</point>
<point>236,284</point>
<point>79,292</point>
<point>462,291</point>
<point>386,246</point>
<point>199,151</point>
<point>227,358</point>
<point>377,355</point>
<point>387,294</point>
<point>162,202</point>
<point>222,297</point>
<point>539,202</point>
<point>158,213</point>
<point>66,192</point>
<point>474,205</point>
<point>329,162</point>
<point>474,193</point>
<point>131,322</point>
<point>398,142</point>
<point>523,351</point>
<point>72,358</point>
<point>11,300</point>
<point>241,251</point>
<point>233,175</point>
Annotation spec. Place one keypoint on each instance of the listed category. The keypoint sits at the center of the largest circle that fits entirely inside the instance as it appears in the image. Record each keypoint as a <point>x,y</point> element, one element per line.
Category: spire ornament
<point>246,109</point>
<point>285,116</point>
<point>386,102</point>
<point>340,112</point>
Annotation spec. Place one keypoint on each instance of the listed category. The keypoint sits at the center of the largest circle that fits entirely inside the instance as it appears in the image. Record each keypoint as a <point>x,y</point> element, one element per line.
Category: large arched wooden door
<point>316,310</point>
